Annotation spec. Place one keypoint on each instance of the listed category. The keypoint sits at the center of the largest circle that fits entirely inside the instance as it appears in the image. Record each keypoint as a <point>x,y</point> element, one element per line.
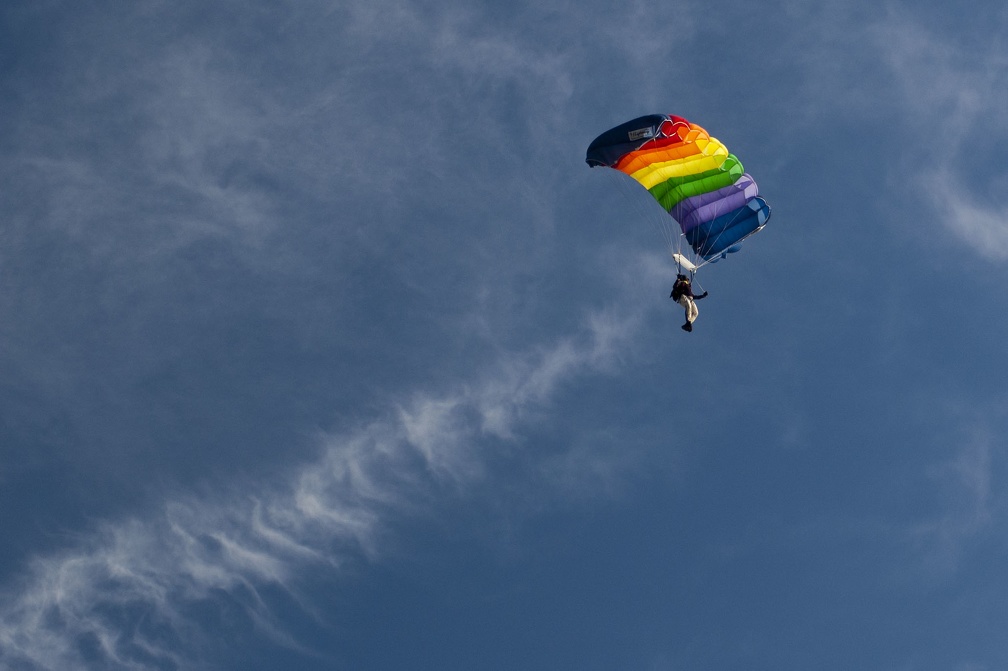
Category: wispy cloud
<point>125,597</point>
<point>981,224</point>
<point>952,95</point>
<point>968,503</point>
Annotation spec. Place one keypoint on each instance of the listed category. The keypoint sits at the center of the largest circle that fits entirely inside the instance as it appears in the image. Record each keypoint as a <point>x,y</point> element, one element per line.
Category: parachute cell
<point>694,178</point>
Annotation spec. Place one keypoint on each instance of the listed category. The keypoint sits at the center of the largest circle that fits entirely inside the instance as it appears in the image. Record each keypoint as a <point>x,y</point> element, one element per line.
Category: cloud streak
<point>125,596</point>
<point>983,226</point>
<point>969,508</point>
<point>953,94</point>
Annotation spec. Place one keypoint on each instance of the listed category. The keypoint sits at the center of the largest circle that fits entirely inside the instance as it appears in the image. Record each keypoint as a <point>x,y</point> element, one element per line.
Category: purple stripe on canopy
<point>693,211</point>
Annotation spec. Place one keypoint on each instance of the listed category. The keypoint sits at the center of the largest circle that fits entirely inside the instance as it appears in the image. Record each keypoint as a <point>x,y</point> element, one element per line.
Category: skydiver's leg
<point>691,308</point>
<point>691,312</point>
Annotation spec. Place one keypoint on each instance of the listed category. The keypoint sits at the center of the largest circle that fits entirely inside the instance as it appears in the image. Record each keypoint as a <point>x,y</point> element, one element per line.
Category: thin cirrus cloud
<point>977,222</point>
<point>125,596</point>
<point>957,92</point>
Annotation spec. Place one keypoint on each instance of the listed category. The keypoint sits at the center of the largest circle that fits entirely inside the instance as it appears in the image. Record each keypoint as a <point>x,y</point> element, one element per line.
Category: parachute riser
<point>685,265</point>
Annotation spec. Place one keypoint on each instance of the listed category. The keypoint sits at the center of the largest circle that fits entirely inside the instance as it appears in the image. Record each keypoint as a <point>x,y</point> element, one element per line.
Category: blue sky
<point>322,348</point>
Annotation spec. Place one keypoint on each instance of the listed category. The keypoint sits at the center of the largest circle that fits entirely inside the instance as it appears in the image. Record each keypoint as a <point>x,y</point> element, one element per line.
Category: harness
<point>679,289</point>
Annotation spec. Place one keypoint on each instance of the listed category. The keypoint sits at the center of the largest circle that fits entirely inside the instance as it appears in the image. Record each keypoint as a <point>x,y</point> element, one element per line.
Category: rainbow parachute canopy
<point>692,175</point>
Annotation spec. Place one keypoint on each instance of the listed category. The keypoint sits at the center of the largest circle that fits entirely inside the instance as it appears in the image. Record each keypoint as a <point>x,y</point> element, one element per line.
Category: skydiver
<point>682,293</point>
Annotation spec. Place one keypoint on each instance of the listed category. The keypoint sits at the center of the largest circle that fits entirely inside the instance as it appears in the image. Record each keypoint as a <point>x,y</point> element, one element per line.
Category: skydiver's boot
<point>688,327</point>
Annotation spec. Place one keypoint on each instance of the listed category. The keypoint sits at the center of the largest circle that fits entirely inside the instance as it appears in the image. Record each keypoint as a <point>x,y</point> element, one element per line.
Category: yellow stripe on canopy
<point>713,156</point>
<point>643,158</point>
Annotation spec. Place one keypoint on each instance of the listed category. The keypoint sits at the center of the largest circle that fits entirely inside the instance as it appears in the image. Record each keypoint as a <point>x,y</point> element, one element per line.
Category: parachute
<point>694,178</point>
